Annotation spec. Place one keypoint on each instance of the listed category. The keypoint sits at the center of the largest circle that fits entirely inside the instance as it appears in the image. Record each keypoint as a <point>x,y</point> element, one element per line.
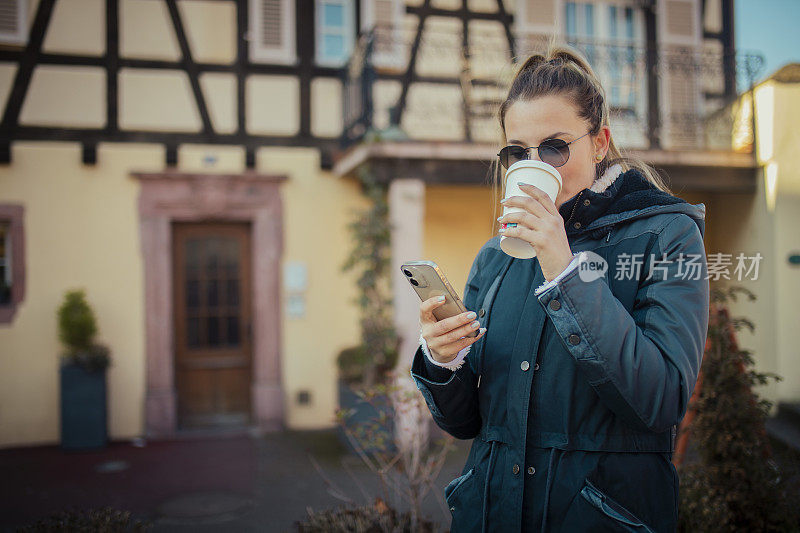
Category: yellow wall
<point>81,230</point>
<point>749,224</point>
<point>317,208</point>
<point>82,226</point>
<point>453,233</point>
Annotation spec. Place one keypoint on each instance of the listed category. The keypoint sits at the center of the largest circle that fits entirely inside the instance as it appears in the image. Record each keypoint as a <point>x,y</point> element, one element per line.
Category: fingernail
<point>498,218</point>
<point>481,331</point>
<point>503,200</point>
<point>440,298</point>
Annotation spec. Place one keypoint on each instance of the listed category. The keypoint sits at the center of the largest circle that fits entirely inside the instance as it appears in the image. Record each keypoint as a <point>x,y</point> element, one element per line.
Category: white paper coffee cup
<point>539,174</point>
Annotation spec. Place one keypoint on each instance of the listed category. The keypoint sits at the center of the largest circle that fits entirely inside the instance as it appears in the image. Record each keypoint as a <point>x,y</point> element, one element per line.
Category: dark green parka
<point>574,415</point>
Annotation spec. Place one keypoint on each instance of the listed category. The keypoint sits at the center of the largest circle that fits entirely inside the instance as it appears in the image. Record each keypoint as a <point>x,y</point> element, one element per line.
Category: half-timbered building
<point>193,165</point>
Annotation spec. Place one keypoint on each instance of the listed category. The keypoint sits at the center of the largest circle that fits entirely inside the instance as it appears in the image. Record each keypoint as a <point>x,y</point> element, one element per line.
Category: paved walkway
<point>214,483</point>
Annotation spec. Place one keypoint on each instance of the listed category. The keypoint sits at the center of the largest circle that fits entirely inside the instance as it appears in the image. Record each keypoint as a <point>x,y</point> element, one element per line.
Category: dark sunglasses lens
<point>554,152</point>
<point>511,154</point>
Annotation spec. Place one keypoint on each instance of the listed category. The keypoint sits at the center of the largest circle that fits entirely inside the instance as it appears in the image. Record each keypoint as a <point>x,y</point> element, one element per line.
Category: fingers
<point>455,334</point>
<point>453,348</point>
<point>532,235</point>
<point>524,219</point>
<point>540,196</point>
<point>426,309</point>
<point>448,336</point>
<point>530,204</point>
<point>447,352</point>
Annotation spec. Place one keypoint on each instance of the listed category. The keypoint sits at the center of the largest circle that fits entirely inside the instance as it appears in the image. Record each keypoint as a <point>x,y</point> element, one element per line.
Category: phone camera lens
<point>407,273</point>
<point>414,282</point>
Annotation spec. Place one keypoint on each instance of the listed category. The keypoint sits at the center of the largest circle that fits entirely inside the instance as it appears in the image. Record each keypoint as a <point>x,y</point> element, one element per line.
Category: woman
<point>575,387</point>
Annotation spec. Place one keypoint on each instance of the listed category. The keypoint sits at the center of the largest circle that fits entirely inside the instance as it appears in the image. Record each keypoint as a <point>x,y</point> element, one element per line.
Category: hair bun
<point>532,62</point>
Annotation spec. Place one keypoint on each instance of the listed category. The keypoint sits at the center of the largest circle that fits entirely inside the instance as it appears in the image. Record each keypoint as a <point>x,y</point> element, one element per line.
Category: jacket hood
<point>620,199</point>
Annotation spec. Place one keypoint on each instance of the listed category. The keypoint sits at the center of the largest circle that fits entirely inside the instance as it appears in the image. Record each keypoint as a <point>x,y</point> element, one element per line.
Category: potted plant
<point>83,376</point>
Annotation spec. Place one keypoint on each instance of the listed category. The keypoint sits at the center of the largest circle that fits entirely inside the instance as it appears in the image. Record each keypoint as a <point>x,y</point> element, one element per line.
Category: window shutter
<point>272,32</point>
<point>13,23</point>
<point>335,31</point>
<point>681,83</point>
<point>386,17</point>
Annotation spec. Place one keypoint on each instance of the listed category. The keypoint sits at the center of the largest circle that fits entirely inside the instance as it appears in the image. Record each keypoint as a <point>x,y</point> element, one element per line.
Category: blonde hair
<point>564,70</point>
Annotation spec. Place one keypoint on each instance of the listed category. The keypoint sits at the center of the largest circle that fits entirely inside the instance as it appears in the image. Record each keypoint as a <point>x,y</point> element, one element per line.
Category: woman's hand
<point>542,226</point>
<point>445,338</point>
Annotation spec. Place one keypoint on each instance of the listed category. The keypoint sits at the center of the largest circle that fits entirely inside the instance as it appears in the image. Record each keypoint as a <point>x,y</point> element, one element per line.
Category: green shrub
<point>735,485</point>
<point>76,330</point>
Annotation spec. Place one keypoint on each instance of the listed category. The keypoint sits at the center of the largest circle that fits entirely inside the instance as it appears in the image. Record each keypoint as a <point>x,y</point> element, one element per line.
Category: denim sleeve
<point>643,364</point>
<point>436,372</point>
<point>452,396</point>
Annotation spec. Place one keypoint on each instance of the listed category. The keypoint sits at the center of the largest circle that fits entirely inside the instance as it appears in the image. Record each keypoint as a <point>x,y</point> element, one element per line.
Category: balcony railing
<point>672,98</point>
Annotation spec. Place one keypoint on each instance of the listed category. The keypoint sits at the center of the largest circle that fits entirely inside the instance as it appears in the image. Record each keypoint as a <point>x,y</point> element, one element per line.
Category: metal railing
<point>695,89</point>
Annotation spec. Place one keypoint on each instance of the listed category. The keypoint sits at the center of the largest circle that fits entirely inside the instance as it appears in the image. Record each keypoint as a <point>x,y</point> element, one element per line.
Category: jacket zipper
<point>574,207</point>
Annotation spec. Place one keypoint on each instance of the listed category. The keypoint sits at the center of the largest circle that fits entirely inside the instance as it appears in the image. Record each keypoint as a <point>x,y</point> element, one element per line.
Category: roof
<point>789,73</point>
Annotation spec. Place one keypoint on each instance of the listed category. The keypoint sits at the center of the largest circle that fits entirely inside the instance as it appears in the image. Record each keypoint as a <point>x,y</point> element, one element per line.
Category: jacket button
<point>531,470</point>
<point>555,305</point>
<point>577,225</point>
<point>515,469</point>
<point>536,366</point>
<point>586,202</point>
<point>574,339</point>
<point>452,508</point>
<point>482,312</point>
<point>525,366</point>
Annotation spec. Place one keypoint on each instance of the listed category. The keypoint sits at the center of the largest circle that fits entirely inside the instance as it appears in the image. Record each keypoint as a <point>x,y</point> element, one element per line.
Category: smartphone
<point>428,280</point>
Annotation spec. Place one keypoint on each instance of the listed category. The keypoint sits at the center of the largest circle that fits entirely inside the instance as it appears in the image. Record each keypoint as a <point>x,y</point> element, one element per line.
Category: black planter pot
<point>365,413</point>
<point>83,408</point>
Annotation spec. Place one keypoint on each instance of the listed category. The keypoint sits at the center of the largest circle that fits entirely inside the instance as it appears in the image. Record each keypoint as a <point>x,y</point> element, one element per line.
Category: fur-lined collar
<point>603,182</point>
<point>614,192</point>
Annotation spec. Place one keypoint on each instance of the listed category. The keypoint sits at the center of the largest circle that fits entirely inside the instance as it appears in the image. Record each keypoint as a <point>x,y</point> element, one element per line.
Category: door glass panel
<point>213,330</point>
<point>212,285</point>
<point>233,330</point>
<point>192,293</point>
<point>193,331</point>
<point>232,292</point>
<point>213,296</point>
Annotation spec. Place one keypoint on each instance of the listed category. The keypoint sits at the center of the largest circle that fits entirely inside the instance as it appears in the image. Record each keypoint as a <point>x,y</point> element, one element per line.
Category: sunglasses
<point>554,152</point>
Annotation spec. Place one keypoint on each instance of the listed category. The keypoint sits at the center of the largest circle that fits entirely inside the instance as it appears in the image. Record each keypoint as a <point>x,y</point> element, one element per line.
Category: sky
<point>771,28</point>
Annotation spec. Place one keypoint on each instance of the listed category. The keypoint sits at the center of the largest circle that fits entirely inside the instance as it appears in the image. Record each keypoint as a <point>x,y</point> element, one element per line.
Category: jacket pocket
<point>465,501</point>
<point>593,510</point>
<point>457,483</point>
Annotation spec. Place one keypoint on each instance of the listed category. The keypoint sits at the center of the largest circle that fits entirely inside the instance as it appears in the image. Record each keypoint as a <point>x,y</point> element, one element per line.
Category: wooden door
<point>213,352</point>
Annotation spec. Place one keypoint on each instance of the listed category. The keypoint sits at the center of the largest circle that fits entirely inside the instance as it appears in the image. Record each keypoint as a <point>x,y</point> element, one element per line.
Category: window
<point>622,32</point>
<point>611,34</point>
<point>335,28</point>
<point>13,22</point>
<point>385,17</point>
<point>12,260</point>
<point>581,28</point>
<point>272,34</point>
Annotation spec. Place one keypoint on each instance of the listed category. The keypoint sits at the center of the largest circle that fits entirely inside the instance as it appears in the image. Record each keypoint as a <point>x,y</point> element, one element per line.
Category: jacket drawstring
<point>547,487</point>
<point>485,523</point>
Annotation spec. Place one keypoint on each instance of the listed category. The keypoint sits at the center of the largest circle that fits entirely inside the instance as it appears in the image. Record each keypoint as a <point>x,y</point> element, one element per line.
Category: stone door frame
<point>173,196</point>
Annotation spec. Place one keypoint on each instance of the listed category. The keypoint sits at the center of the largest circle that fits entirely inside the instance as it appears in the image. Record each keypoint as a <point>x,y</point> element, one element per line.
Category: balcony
<point>675,107</point>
